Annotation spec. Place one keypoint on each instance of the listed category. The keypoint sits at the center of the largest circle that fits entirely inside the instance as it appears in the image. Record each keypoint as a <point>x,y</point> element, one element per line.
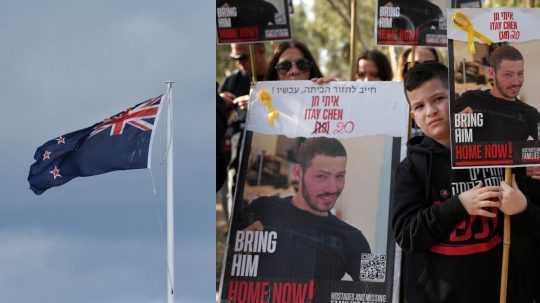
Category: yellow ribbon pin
<point>266,100</point>
<point>463,22</point>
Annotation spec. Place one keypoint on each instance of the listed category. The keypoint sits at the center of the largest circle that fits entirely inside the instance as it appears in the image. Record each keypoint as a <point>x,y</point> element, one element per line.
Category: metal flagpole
<point>170,197</point>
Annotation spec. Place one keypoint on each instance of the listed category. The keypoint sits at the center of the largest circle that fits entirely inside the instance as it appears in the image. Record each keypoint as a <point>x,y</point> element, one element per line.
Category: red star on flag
<point>61,140</point>
<point>46,155</point>
<point>55,172</point>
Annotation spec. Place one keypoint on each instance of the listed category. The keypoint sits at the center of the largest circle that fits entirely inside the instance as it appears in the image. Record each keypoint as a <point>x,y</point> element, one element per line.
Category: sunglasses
<point>409,65</point>
<point>303,65</point>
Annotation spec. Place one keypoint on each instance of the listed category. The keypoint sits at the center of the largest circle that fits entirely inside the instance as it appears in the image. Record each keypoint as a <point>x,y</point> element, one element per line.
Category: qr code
<point>373,268</point>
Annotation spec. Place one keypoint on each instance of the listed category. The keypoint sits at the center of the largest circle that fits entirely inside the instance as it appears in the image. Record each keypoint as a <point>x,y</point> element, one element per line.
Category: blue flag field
<point>120,142</point>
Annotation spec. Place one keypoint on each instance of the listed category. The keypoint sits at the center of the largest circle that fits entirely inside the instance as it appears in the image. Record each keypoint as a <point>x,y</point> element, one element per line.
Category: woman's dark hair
<point>405,55</point>
<point>384,70</point>
<point>271,72</point>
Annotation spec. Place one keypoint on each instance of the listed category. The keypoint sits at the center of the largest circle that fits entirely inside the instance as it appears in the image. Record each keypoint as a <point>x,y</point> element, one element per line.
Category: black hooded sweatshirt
<point>461,254</point>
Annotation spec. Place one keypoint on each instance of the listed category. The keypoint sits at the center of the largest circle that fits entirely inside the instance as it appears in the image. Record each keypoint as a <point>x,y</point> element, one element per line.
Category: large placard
<point>419,22</point>
<point>493,103</point>
<point>310,221</point>
<point>249,21</point>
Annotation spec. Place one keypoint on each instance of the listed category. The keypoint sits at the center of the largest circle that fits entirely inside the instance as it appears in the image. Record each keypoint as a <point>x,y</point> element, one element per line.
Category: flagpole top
<point>169,84</point>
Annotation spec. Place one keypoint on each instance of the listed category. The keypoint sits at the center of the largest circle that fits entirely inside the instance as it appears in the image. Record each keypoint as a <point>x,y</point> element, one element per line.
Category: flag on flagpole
<point>117,143</point>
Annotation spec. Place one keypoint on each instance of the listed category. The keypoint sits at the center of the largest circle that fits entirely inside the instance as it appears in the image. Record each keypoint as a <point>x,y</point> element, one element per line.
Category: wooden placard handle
<point>506,243</point>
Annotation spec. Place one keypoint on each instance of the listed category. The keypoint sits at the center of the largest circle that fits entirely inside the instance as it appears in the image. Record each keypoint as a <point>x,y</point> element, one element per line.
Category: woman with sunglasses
<point>421,55</point>
<point>292,60</point>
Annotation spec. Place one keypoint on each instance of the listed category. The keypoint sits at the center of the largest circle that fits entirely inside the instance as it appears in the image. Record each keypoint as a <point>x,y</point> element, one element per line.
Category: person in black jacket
<point>235,88</point>
<point>235,95</point>
<point>453,218</point>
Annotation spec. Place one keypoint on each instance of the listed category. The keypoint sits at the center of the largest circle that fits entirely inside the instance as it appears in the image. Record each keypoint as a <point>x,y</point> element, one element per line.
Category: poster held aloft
<point>485,130</point>
<point>494,121</point>
<point>467,3</point>
<point>403,22</point>
<point>311,214</point>
<point>249,21</point>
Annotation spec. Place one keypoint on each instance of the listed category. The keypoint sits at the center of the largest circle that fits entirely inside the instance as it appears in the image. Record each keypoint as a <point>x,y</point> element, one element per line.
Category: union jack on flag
<point>136,117</point>
<point>94,150</point>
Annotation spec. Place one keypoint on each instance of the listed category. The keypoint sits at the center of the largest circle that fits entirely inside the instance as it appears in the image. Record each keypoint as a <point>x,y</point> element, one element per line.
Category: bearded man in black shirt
<point>505,116</point>
<point>311,242</point>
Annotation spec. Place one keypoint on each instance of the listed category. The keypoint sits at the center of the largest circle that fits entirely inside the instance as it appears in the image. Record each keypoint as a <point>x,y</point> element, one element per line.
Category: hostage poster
<point>493,84</point>
<point>310,220</point>
<point>406,22</point>
<point>467,3</point>
<point>249,21</point>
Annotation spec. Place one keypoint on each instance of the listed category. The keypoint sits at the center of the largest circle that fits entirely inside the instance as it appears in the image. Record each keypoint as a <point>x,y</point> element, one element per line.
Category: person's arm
<point>226,91</point>
<point>419,224</point>
<point>523,210</point>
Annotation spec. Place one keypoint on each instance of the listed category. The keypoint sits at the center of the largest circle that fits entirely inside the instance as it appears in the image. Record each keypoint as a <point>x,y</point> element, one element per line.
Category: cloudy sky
<point>65,65</point>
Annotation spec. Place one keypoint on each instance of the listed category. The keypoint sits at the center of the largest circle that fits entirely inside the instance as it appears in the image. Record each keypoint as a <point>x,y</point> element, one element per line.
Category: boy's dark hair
<point>384,69</point>
<point>504,52</point>
<point>312,147</point>
<point>423,72</point>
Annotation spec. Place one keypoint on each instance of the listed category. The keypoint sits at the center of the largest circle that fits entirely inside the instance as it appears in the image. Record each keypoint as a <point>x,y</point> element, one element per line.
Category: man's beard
<point>502,91</point>
<point>309,201</point>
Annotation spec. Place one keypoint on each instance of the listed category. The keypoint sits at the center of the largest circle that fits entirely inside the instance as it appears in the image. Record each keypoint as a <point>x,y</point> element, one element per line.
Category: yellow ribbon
<point>463,22</point>
<point>266,100</point>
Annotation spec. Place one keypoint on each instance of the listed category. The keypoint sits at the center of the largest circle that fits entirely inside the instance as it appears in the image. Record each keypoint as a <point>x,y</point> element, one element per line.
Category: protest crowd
<point>447,221</point>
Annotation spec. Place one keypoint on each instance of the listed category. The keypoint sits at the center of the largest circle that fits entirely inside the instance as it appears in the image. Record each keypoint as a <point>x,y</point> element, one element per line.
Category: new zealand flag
<point>119,142</point>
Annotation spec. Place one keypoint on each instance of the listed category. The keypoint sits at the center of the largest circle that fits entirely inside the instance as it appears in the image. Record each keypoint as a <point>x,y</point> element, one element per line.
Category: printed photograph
<point>312,213</point>
<point>407,22</point>
<point>241,21</point>
<point>495,117</point>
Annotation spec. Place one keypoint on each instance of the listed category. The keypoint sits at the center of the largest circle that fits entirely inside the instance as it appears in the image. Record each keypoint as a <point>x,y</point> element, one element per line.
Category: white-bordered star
<point>46,155</point>
<point>55,172</point>
<point>61,140</point>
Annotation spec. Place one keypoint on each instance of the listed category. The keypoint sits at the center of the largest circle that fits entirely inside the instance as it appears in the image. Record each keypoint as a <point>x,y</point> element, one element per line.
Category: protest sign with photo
<point>493,83</point>
<point>249,21</point>
<point>467,3</point>
<point>404,22</point>
<point>311,214</point>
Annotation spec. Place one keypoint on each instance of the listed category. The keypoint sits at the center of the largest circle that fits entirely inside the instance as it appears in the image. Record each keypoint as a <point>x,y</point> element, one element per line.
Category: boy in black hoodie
<point>453,218</point>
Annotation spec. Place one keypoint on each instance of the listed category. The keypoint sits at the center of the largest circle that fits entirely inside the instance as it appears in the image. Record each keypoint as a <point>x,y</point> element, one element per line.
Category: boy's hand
<point>476,199</point>
<point>513,201</point>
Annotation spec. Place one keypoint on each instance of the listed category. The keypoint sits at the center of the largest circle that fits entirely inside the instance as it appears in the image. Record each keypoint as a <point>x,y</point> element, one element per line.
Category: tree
<point>329,32</point>
<point>326,34</point>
